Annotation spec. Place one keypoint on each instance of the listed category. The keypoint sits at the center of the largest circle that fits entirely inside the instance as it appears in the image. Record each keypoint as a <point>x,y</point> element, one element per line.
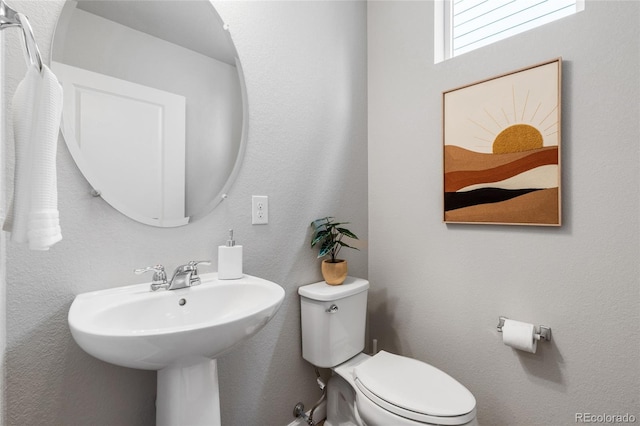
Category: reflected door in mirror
<point>134,138</point>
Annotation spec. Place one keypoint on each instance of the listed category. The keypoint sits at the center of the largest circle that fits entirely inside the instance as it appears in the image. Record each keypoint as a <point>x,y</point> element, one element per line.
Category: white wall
<point>305,68</point>
<point>437,290</point>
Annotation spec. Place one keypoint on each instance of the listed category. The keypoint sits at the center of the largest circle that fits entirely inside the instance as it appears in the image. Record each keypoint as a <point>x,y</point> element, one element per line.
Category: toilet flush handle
<point>332,309</point>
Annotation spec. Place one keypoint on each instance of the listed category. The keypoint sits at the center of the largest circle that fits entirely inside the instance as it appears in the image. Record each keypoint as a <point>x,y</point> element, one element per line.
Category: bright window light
<point>465,25</point>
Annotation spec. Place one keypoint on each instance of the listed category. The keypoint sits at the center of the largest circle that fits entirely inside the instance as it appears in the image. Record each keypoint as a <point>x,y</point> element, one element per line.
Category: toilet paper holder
<point>544,332</point>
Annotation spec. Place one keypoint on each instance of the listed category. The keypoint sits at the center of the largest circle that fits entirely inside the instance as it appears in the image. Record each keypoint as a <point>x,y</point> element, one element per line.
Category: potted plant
<point>329,235</point>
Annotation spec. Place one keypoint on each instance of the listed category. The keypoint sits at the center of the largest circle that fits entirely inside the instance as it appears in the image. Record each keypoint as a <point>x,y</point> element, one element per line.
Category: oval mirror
<point>154,104</point>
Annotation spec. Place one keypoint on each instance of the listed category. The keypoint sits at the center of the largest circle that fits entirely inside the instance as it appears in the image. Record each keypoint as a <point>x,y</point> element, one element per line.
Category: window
<point>465,25</point>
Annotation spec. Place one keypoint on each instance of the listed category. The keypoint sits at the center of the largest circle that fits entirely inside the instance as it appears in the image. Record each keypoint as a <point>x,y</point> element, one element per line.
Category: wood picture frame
<point>501,149</point>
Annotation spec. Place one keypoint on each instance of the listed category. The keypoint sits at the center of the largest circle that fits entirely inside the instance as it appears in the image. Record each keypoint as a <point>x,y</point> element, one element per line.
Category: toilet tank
<point>333,321</point>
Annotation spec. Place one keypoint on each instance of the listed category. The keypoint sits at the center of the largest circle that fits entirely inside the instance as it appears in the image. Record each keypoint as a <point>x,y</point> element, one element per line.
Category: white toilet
<point>380,390</point>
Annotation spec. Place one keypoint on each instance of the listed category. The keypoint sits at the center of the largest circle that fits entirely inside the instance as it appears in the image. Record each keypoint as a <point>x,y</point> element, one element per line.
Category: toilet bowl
<point>384,389</point>
<point>388,389</point>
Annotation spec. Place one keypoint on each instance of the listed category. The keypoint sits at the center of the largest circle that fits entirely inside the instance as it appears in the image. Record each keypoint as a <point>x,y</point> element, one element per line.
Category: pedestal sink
<point>180,333</point>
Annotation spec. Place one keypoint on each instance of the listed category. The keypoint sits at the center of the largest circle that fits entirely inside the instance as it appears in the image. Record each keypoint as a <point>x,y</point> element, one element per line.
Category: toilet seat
<point>414,390</point>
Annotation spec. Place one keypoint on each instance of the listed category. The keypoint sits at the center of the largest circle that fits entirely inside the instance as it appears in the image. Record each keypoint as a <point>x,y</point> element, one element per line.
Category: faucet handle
<point>193,266</point>
<point>159,276</point>
<point>157,269</point>
<point>195,263</point>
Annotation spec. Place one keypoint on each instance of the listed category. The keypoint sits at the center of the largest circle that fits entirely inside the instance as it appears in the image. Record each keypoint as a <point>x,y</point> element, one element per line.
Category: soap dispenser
<point>230,260</point>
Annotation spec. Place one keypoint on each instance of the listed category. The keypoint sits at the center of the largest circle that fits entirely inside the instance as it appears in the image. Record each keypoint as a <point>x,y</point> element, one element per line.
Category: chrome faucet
<point>184,276</point>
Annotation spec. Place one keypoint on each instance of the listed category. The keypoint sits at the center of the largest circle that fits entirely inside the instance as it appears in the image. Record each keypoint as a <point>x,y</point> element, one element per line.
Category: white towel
<point>37,109</point>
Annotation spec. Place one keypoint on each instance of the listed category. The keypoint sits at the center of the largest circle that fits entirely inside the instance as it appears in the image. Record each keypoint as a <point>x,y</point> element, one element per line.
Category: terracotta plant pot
<point>334,273</point>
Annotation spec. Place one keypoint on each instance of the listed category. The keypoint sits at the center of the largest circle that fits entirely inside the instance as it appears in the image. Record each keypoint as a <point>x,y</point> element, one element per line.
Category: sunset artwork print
<point>502,149</point>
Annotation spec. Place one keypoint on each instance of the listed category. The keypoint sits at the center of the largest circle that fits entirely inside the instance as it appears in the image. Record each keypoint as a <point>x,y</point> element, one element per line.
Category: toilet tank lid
<point>323,292</point>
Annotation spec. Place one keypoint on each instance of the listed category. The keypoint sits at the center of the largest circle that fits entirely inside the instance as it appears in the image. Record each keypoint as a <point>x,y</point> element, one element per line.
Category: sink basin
<point>134,327</point>
<point>178,332</point>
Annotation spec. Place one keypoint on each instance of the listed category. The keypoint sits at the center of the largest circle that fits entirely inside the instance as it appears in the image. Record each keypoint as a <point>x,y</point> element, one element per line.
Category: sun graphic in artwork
<point>514,113</point>
<point>523,127</point>
<point>517,138</point>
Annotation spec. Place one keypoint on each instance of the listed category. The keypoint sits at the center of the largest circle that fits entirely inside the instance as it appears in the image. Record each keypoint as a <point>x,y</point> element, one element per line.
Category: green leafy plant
<point>329,234</point>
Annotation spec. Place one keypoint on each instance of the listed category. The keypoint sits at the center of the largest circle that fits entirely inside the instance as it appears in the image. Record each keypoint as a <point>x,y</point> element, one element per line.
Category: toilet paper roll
<point>519,335</point>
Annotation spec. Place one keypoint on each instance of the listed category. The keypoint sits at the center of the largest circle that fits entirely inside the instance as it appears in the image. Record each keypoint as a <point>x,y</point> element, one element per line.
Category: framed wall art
<point>502,149</point>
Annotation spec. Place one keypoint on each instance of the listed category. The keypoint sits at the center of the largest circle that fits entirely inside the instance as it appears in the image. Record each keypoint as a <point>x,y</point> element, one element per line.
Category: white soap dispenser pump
<point>230,260</point>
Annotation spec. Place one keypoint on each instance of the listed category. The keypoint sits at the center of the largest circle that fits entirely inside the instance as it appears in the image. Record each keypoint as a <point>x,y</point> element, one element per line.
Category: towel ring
<point>11,18</point>
<point>32,51</point>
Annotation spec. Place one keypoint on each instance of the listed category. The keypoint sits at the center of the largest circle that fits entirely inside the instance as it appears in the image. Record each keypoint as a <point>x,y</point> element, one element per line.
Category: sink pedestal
<point>179,333</point>
<point>189,395</point>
